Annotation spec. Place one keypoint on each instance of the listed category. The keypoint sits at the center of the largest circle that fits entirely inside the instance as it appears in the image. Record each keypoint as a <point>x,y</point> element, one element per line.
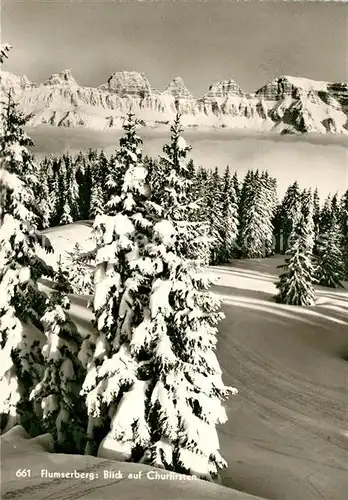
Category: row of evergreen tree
<point>309,259</point>
<point>230,220</point>
<point>226,218</point>
<point>238,219</point>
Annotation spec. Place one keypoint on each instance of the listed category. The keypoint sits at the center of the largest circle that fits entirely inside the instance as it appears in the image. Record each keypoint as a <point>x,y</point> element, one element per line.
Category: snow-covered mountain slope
<point>286,437</point>
<point>285,105</point>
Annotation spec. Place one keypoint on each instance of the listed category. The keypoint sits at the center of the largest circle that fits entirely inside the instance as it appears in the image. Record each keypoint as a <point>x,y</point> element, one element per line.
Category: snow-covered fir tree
<point>72,188</point>
<point>115,176</point>
<point>97,201</point>
<point>21,303</point>
<point>335,208</point>
<point>58,393</point>
<point>269,188</point>
<point>244,199</point>
<point>257,207</point>
<point>104,166</point>
<point>330,269</point>
<point>343,221</point>
<point>236,185</point>
<point>193,239</point>
<point>66,191</point>
<point>195,190</point>
<point>43,196</point>
<point>156,175</point>
<point>120,233</point>
<point>307,210</point>
<point>214,202</point>
<point>66,217</point>
<point>56,188</point>
<point>84,166</point>
<point>277,229</point>
<point>53,201</point>
<point>316,216</point>
<point>229,231</point>
<point>201,188</point>
<point>296,283</point>
<point>153,382</point>
<point>78,266</point>
<point>326,215</point>
<point>98,191</point>
<point>60,189</point>
<point>178,335</point>
<point>200,193</point>
<point>288,213</point>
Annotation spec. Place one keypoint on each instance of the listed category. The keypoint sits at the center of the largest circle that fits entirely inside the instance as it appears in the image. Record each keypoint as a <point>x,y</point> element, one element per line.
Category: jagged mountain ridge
<point>284,105</point>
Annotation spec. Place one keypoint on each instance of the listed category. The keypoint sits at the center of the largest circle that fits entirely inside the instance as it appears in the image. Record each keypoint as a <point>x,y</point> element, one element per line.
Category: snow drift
<point>92,478</point>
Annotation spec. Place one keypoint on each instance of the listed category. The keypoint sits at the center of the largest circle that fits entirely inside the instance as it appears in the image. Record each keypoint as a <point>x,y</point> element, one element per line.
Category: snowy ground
<point>286,437</point>
<point>20,453</point>
<point>287,434</point>
<point>64,238</point>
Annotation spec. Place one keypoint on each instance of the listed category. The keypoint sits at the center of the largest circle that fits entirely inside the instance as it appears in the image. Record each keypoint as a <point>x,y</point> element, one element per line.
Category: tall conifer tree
<point>193,238</point>
<point>326,216</point>
<point>343,221</point>
<point>296,284</point>
<point>257,207</point>
<point>307,210</point>
<point>120,291</point>
<point>330,258</point>
<point>316,216</point>
<point>42,195</point>
<point>216,221</point>
<point>288,214</point>
<point>58,393</point>
<point>230,217</point>
<point>21,303</point>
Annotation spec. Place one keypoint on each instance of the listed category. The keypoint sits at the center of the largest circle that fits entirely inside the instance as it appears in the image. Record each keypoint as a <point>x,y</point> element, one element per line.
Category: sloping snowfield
<point>287,433</point>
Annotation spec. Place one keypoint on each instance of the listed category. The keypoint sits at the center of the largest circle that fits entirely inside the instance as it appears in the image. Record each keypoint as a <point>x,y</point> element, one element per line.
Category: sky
<point>250,42</point>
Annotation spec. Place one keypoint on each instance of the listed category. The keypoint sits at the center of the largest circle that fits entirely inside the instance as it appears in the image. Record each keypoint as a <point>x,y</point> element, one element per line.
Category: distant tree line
<point>235,218</point>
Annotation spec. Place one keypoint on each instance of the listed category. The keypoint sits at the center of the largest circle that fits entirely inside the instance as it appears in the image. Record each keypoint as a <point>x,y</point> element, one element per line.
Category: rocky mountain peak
<point>17,83</point>
<point>25,82</point>
<point>178,89</point>
<point>65,77</point>
<point>129,83</point>
<point>290,86</point>
<point>224,88</point>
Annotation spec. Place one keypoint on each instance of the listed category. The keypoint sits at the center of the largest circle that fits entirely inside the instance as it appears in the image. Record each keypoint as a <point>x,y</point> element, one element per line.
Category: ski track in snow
<point>286,437</point>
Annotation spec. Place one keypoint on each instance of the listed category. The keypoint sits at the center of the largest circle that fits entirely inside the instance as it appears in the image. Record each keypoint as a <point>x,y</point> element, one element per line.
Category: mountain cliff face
<point>63,78</point>
<point>128,83</point>
<point>285,105</point>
